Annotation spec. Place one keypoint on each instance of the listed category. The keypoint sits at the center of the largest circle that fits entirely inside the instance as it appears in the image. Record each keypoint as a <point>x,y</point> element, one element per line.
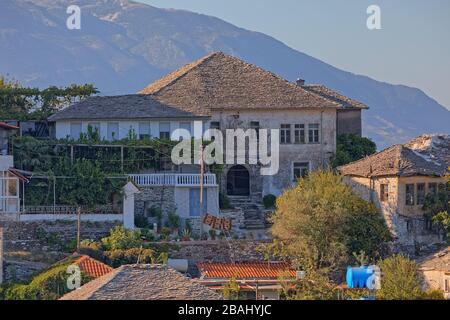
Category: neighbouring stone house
<point>436,271</point>
<point>397,180</point>
<point>10,178</point>
<point>223,92</point>
<point>142,282</point>
<point>256,280</point>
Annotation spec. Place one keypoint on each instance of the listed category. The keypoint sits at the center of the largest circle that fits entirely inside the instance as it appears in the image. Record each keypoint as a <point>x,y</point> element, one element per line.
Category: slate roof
<point>427,155</point>
<point>142,282</point>
<point>133,106</point>
<point>345,102</point>
<point>220,81</point>
<point>245,270</point>
<point>439,261</point>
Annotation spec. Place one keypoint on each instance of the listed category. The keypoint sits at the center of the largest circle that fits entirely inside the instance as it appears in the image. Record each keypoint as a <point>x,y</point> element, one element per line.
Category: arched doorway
<point>238,181</point>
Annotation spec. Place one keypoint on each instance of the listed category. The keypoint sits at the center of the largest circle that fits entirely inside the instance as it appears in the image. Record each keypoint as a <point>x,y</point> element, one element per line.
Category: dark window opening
<point>409,195</point>
<point>384,192</point>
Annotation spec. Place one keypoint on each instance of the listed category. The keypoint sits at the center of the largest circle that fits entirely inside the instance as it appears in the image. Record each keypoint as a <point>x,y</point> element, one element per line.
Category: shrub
<point>224,202</point>
<point>269,201</point>
<point>48,285</point>
<point>141,221</point>
<point>120,238</point>
<point>116,258</point>
<point>322,222</point>
<point>401,279</point>
<point>173,220</point>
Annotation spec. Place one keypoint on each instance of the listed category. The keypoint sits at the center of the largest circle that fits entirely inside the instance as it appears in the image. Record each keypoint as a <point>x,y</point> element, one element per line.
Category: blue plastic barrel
<point>357,276</point>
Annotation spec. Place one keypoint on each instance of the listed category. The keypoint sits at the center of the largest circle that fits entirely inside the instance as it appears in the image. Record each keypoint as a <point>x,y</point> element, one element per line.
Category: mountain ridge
<point>123,46</point>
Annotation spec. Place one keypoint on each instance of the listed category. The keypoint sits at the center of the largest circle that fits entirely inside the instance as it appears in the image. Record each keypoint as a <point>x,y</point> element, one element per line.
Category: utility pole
<point>201,190</point>
<point>78,228</point>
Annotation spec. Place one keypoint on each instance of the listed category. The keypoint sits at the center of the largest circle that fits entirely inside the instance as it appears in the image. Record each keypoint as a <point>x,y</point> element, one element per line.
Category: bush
<point>121,239</point>
<point>350,148</point>
<point>173,220</point>
<point>224,202</point>
<point>401,279</point>
<point>141,221</point>
<point>116,258</point>
<point>48,285</point>
<point>322,222</point>
<point>269,201</point>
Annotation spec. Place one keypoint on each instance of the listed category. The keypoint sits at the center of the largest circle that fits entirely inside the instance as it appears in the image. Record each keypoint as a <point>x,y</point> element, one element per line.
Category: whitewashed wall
<point>63,127</point>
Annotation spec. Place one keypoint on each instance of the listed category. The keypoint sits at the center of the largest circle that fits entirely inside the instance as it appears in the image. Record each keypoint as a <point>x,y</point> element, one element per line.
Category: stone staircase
<point>253,211</point>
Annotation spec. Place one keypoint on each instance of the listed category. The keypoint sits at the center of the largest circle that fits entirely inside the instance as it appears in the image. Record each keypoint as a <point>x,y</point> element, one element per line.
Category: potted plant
<point>212,234</point>
<point>186,235</point>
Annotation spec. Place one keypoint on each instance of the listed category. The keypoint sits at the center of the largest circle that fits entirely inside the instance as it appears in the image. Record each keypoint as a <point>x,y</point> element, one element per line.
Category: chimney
<point>300,82</point>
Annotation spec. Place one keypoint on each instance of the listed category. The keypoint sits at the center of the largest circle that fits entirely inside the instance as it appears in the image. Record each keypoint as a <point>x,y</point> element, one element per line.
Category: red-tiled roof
<point>245,270</point>
<point>92,267</point>
<point>5,125</point>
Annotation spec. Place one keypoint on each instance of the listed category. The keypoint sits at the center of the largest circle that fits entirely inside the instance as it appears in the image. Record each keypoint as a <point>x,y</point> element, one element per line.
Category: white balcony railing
<point>173,179</point>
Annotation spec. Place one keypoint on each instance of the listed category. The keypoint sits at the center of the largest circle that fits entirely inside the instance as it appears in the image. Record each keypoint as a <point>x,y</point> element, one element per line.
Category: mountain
<point>122,46</point>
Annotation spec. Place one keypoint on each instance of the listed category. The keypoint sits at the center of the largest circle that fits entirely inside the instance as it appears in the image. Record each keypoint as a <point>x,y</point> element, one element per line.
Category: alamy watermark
<point>263,147</point>
<point>73,22</point>
<point>374,20</point>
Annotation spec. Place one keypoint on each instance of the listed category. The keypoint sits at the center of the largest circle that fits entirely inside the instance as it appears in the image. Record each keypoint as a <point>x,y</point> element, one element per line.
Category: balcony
<point>173,179</point>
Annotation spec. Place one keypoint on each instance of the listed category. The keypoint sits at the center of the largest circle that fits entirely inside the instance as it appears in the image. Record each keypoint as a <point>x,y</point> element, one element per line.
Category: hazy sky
<point>413,47</point>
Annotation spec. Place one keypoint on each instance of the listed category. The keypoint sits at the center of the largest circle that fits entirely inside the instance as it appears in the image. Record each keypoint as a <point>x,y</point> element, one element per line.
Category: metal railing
<point>173,179</point>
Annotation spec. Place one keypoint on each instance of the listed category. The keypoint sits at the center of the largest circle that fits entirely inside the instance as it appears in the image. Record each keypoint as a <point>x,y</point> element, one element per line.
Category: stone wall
<point>217,251</point>
<point>160,197</point>
<point>32,246</point>
<point>317,155</point>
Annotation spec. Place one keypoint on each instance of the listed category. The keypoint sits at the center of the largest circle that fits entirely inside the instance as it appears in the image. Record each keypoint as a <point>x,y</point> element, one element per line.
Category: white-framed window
<point>299,170</point>
<point>299,133</point>
<point>256,126</point>
<point>144,130</point>
<point>95,126</point>
<point>164,130</point>
<point>113,131</point>
<point>314,133</point>
<point>214,125</point>
<point>75,130</point>
<point>185,126</point>
<point>285,134</point>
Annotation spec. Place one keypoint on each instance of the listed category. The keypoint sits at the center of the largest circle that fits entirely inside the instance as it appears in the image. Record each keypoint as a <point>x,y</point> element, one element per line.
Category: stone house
<point>397,180</point>
<point>142,282</point>
<point>234,94</point>
<point>223,92</point>
<point>436,271</point>
<point>256,280</point>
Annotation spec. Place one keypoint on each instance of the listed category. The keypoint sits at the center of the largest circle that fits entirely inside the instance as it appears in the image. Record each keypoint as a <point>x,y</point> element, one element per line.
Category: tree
<point>351,147</point>
<point>401,279</point>
<point>321,222</point>
<point>314,286</point>
<point>231,290</point>
<point>438,207</point>
<point>18,102</point>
